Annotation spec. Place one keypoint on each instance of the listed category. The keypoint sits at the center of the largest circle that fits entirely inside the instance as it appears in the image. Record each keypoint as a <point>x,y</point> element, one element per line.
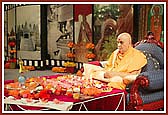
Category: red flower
<point>12,60</point>
<point>12,44</point>
<point>7,65</point>
<point>45,94</point>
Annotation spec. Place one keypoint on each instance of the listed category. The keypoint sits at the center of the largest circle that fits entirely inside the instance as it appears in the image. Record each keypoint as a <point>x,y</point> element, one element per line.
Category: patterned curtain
<point>143,21</point>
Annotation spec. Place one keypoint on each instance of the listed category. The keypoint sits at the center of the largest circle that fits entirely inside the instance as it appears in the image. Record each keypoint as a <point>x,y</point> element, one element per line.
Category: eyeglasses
<point>120,42</point>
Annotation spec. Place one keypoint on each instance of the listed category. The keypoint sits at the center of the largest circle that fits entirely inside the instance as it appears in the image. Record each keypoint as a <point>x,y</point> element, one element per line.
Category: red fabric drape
<point>83,9</point>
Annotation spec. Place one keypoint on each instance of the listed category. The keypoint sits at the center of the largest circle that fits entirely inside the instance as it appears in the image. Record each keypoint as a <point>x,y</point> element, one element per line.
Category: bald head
<point>124,42</point>
<point>125,36</point>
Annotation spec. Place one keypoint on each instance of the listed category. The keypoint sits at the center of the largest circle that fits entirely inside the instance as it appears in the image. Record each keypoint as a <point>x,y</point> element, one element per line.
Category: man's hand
<point>126,81</point>
<point>108,74</point>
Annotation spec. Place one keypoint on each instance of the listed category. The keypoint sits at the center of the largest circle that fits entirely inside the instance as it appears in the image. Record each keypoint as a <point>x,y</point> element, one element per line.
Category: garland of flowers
<point>70,54</point>
<point>46,88</point>
<point>70,65</point>
<point>12,51</point>
<point>90,55</point>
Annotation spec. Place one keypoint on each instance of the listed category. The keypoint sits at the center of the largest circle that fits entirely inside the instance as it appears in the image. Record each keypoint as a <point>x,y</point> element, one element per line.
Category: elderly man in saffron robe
<point>123,66</point>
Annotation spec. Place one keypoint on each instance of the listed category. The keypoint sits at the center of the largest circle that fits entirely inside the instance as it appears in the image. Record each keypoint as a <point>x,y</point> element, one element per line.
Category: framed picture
<point>28,32</point>
<point>83,30</point>
<point>59,30</point>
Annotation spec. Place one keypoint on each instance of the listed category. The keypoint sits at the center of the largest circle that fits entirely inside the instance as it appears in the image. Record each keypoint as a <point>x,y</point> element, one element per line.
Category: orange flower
<point>79,73</point>
<point>58,69</point>
<point>90,55</point>
<point>36,95</point>
<point>70,55</point>
<point>14,93</point>
<point>92,91</point>
<point>24,93</point>
<point>29,67</point>
<point>12,51</point>
<point>90,46</point>
<point>70,44</point>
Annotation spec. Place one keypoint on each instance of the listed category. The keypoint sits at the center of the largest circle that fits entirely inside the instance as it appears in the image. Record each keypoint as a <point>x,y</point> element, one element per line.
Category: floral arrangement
<point>70,67</point>
<point>70,54</point>
<point>92,91</point>
<point>15,93</point>
<point>90,46</point>
<point>45,94</point>
<point>69,64</point>
<point>58,69</point>
<point>29,67</point>
<point>90,55</point>
<point>14,60</point>
<point>11,43</point>
<point>11,63</point>
<point>70,44</point>
<point>49,87</point>
<point>12,51</point>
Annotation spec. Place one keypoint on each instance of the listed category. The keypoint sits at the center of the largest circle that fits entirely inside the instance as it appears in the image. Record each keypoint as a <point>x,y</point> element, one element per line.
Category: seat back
<point>154,56</point>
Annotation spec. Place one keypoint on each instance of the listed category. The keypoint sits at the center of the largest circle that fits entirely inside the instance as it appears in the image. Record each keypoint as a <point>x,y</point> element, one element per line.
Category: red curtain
<point>83,9</point>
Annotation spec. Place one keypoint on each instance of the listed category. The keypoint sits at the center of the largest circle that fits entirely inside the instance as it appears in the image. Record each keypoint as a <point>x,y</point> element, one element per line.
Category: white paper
<point>89,69</point>
<point>65,106</point>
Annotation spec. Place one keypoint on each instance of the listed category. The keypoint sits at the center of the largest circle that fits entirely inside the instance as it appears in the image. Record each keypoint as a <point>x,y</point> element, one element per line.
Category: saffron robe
<point>131,61</point>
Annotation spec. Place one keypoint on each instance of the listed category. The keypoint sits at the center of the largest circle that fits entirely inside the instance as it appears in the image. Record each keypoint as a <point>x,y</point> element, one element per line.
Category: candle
<point>41,63</point>
<point>30,63</point>
<point>25,62</point>
<point>47,62</point>
<point>35,63</point>
<point>52,62</point>
<point>58,64</point>
<point>63,62</point>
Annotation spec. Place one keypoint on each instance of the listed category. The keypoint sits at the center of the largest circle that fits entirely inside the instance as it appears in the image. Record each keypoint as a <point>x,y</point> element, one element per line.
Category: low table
<point>106,101</point>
